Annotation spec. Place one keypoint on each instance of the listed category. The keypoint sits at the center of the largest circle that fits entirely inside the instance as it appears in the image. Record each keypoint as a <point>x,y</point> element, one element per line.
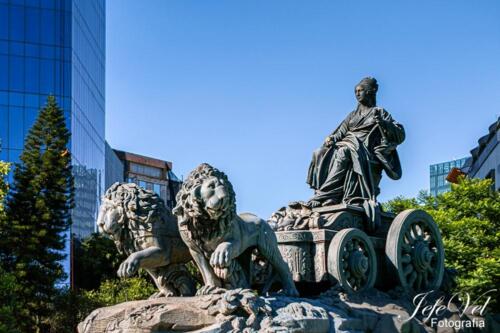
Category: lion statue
<point>220,241</point>
<point>142,228</point>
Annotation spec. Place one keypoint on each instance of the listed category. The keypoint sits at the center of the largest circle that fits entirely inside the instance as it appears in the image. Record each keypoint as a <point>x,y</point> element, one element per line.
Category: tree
<point>96,260</point>
<point>469,219</point>
<point>423,201</point>
<point>400,203</point>
<point>9,287</point>
<point>38,215</point>
<point>4,187</point>
<point>122,290</point>
<point>96,283</point>
<point>10,305</point>
<point>73,307</point>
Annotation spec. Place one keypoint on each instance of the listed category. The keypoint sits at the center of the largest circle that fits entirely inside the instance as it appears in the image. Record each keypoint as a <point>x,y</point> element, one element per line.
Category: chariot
<point>404,249</point>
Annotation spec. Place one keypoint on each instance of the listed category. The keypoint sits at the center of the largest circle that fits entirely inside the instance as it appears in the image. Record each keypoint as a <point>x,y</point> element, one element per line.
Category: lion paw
<point>163,293</point>
<point>210,290</point>
<point>128,267</point>
<point>222,255</point>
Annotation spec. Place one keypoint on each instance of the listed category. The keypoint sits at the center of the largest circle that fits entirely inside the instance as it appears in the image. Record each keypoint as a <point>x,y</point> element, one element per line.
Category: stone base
<point>242,311</point>
<point>177,314</point>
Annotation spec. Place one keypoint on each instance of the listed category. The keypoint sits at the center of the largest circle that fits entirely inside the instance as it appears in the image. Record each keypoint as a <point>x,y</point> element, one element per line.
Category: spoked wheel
<point>415,251</point>
<point>352,261</point>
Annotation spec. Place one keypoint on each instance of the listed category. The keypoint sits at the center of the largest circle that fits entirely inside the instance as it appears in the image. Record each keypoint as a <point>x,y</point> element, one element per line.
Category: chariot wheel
<point>352,261</point>
<point>415,251</point>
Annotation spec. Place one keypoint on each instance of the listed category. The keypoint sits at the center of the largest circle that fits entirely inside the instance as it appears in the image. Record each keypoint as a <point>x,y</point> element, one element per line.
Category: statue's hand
<point>129,266</point>
<point>222,255</point>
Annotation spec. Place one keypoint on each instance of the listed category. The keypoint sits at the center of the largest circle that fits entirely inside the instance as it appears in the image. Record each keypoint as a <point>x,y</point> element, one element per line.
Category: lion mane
<point>142,211</point>
<point>190,208</point>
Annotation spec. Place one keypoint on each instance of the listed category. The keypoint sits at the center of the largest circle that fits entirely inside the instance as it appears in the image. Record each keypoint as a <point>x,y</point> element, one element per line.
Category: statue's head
<point>366,91</point>
<point>128,208</point>
<point>206,202</point>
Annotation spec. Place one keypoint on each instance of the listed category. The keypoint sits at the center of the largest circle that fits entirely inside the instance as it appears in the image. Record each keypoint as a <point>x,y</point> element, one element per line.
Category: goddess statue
<point>348,167</point>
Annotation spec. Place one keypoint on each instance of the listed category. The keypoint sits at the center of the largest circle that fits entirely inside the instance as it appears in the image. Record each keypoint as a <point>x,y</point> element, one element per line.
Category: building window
<point>164,193</point>
<point>145,170</point>
<point>156,189</point>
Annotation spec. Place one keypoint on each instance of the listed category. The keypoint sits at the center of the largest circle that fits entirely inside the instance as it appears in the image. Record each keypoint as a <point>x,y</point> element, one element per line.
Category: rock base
<point>242,311</point>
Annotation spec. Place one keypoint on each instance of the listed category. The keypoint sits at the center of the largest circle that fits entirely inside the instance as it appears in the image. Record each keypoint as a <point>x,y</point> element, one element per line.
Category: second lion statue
<point>221,241</point>
<point>143,229</point>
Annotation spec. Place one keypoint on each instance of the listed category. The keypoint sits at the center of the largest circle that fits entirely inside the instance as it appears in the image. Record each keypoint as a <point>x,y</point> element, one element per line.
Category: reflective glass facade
<point>438,174</point>
<point>56,47</point>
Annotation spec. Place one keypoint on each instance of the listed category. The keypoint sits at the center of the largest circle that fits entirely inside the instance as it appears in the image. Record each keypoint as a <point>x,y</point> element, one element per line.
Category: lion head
<point>129,212</point>
<point>206,203</point>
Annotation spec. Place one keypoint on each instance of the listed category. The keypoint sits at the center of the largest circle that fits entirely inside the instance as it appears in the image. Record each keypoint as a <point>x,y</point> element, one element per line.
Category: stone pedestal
<point>181,314</point>
<point>242,311</point>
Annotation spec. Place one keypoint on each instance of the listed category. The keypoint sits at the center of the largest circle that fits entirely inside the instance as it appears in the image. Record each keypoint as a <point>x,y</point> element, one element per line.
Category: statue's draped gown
<point>350,170</point>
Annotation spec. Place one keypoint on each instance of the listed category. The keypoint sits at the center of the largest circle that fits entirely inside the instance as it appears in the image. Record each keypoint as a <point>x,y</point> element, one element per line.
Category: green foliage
<point>399,203</point>
<point>96,263</point>
<point>469,219</point>
<point>121,290</point>
<point>96,285</point>
<point>9,303</point>
<point>95,260</point>
<point>4,187</point>
<point>72,308</point>
<point>423,201</point>
<point>37,217</point>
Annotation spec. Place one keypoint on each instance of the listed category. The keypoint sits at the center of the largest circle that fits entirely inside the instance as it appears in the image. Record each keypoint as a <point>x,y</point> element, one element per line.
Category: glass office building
<point>56,47</point>
<point>438,174</point>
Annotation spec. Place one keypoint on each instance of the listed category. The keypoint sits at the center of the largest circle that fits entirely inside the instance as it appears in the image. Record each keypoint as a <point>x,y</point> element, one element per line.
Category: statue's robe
<point>350,170</point>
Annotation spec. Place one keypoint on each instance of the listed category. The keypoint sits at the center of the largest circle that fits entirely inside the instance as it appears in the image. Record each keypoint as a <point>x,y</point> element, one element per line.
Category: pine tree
<point>4,187</point>
<point>38,215</point>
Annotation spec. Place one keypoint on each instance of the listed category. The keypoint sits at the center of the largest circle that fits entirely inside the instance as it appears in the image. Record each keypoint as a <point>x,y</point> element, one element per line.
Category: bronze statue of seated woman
<point>348,167</point>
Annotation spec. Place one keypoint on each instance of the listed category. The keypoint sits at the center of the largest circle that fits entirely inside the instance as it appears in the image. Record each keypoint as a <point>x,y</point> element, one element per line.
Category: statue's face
<point>213,193</point>
<point>363,95</point>
<point>109,218</point>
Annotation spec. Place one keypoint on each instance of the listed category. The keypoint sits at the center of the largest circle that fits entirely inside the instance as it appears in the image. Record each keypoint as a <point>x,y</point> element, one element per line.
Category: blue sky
<point>253,87</point>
